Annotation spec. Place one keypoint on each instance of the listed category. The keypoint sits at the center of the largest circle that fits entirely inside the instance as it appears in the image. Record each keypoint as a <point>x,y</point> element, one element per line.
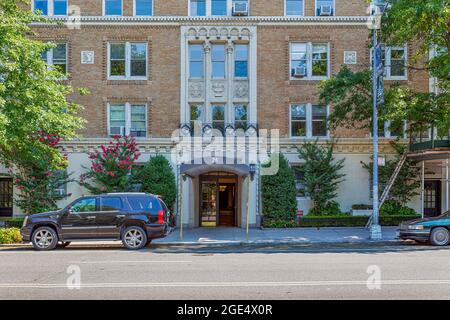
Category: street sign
<point>381,161</point>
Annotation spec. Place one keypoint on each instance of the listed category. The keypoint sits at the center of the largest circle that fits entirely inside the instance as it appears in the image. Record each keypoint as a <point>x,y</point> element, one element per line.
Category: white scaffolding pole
<point>446,185</point>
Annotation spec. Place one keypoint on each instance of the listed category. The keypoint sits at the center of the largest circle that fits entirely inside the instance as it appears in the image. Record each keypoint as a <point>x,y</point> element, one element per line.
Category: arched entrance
<point>218,203</point>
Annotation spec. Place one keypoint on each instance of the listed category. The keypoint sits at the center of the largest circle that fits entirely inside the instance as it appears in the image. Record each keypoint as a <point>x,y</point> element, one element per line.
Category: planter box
<point>362,213</point>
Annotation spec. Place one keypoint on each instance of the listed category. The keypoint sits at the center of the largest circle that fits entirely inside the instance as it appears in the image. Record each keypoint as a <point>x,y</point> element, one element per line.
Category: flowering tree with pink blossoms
<point>111,166</point>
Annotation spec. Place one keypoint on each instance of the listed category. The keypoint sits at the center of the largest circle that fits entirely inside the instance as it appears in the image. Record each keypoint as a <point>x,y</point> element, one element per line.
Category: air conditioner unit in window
<point>326,10</point>
<point>117,131</point>
<point>240,8</point>
<point>299,72</point>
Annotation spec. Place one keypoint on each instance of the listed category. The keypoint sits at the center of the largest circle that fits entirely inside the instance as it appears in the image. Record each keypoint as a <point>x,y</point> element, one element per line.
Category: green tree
<point>426,23</point>
<point>31,96</point>
<point>321,176</point>
<point>157,177</point>
<point>406,185</point>
<point>278,192</point>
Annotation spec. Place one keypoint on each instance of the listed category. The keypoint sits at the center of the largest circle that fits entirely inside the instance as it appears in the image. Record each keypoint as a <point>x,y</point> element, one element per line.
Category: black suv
<point>134,218</point>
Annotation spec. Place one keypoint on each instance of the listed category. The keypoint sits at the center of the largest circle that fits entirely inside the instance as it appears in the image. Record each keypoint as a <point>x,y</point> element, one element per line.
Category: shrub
<point>393,208</point>
<point>321,176</point>
<point>12,222</point>
<point>362,207</point>
<point>332,209</point>
<point>157,177</point>
<point>350,221</point>
<point>10,235</point>
<point>110,170</point>
<point>279,195</point>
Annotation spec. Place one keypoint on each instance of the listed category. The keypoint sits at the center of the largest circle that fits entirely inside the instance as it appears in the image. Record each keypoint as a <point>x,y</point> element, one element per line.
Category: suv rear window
<point>144,203</point>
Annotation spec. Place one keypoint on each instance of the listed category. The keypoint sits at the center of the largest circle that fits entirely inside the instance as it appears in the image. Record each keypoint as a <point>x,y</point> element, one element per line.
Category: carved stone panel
<point>196,90</point>
<point>218,89</point>
<point>240,90</point>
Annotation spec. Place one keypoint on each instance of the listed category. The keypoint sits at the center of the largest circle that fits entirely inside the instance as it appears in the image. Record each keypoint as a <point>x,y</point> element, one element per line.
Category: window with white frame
<point>240,116</point>
<point>61,185</point>
<point>395,61</point>
<point>219,7</point>
<point>218,116</point>
<point>197,117</point>
<point>299,179</point>
<point>196,61</point>
<point>127,60</point>
<point>112,7</point>
<point>197,8</point>
<point>50,7</point>
<point>294,7</point>
<point>56,58</point>
<point>309,60</point>
<point>241,61</point>
<point>127,119</point>
<point>324,7</point>
<point>218,61</point>
<point>308,121</point>
<point>143,7</point>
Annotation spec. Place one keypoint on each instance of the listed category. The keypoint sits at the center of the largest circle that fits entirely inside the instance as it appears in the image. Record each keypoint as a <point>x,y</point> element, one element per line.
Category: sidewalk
<point>237,236</point>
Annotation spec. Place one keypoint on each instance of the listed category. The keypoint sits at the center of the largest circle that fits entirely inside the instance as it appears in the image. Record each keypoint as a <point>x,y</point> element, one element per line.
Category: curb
<point>254,243</point>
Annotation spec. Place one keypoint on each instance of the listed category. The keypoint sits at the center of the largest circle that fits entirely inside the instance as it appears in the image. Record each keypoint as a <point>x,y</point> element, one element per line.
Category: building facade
<point>161,70</point>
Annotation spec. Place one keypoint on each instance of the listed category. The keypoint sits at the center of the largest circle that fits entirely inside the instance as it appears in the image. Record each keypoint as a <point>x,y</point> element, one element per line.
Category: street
<point>282,272</point>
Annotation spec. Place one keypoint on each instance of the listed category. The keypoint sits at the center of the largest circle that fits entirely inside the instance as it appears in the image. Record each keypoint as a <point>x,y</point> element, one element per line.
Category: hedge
<point>10,236</point>
<point>11,222</point>
<point>337,221</point>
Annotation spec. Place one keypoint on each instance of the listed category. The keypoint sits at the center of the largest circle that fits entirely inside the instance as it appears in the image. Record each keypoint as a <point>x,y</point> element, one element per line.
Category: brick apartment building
<point>155,66</point>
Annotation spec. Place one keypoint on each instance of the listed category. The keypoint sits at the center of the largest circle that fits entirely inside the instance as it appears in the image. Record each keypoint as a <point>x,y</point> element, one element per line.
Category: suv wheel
<point>134,238</point>
<point>440,237</point>
<point>44,238</point>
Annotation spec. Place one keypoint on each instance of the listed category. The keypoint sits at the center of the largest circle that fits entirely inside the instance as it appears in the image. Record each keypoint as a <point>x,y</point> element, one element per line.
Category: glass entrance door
<point>208,205</point>
<point>6,197</point>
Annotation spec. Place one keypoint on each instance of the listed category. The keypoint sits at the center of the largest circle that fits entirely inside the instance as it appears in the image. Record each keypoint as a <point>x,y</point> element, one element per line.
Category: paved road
<point>299,272</point>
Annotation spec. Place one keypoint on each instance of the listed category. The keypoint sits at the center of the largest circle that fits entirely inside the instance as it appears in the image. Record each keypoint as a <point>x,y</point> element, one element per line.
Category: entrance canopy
<point>194,170</point>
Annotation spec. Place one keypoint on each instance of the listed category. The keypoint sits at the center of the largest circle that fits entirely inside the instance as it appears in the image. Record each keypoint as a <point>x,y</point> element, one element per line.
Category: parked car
<point>436,230</point>
<point>134,218</point>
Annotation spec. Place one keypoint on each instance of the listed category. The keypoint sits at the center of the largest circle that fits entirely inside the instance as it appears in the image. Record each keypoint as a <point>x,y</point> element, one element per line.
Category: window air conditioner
<point>117,131</point>
<point>240,8</point>
<point>326,10</point>
<point>300,72</point>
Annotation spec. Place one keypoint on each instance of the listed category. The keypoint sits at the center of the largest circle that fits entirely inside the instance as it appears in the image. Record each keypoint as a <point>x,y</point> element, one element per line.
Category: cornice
<point>186,20</point>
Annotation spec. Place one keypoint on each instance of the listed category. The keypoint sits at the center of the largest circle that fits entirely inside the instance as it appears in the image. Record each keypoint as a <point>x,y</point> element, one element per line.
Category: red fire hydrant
<point>299,215</point>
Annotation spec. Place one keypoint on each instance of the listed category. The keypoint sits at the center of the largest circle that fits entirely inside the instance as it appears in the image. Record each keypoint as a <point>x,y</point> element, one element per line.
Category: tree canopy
<point>33,99</point>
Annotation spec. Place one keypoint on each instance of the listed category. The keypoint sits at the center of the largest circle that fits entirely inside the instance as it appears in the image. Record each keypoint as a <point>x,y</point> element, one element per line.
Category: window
<point>50,7</point>
<point>138,121</point>
<point>218,117</point>
<point>218,61</point>
<point>308,120</point>
<point>112,7</point>
<point>143,7</point>
<point>127,61</point>
<point>197,117</point>
<point>319,121</point>
<point>198,8</point>
<point>196,64</point>
<point>298,120</point>
<point>143,203</point>
<point>309,61</point>
<point>299,180</point>
<point>241,61</point>
<point>397,64</point>
<point>84,205</point>
<point>218,7</point>
<point>128,119</point>
<point>110,204</point>
<point>324,7</point>
<point>61,187</point>
<point>56,58</point>
<point>240,116</point>
<point>294,7</point>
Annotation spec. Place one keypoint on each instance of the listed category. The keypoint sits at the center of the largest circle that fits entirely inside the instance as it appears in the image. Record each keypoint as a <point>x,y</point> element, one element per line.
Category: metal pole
<point>181,207</point>
<point>375,230</point>
<point>422,190</point>
<point>248,208</point>
<point>446,185</point>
